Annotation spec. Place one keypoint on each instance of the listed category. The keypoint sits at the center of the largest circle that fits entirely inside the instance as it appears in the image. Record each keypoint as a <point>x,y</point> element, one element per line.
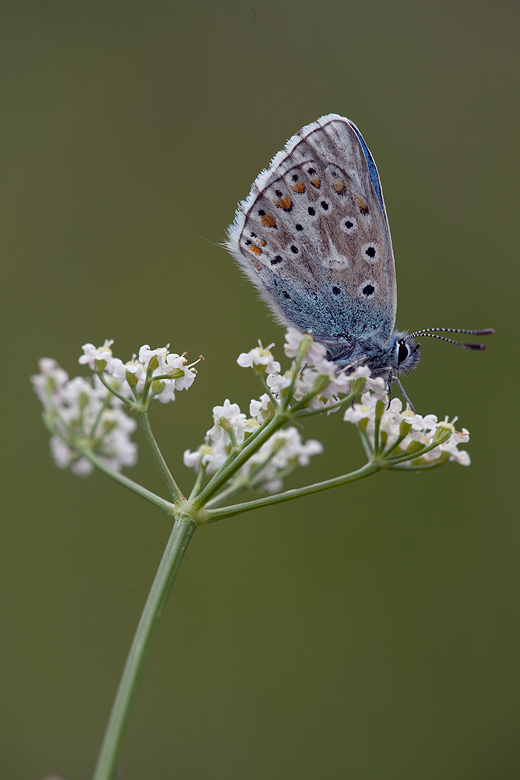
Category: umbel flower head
<point>90,415</point>
<point>401,436</point>
<point>81,413</point>
<point>392,437</point>
<point>275,459</point>
<point>165,371</point>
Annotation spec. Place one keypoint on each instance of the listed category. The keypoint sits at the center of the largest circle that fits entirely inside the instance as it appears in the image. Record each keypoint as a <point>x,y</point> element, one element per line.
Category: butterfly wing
<point>313,236</point>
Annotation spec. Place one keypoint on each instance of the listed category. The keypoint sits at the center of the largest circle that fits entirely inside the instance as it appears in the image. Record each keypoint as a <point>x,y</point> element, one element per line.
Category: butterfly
<point>313,237</point>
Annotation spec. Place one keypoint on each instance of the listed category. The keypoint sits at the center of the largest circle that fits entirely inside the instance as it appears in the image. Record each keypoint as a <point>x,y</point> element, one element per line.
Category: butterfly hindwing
<point>313,236</point>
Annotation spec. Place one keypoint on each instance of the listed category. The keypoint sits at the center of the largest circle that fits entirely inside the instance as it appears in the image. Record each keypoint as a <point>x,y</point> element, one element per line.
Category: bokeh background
<point>366,633</point>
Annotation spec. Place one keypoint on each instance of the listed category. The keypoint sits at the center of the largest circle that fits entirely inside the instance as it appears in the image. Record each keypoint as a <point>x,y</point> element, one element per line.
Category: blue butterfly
<point>313,237</point>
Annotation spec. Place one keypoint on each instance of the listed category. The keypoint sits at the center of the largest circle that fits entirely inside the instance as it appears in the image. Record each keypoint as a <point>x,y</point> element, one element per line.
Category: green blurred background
<point>367,633</point>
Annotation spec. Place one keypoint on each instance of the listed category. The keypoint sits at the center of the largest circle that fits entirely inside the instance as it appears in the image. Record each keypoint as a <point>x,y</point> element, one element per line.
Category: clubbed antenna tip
<point>428,332</point>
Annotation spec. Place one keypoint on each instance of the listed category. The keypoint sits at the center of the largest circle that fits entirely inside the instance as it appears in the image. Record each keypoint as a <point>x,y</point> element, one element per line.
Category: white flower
<point>339,382</point>
<point>283,452</point>
<point>84,416</point>
<point>314,354</point>
<point>49,383</point>
<point>146,354</point>
<point>210,455</point>
<point>229,422</point>
<point>317,377</point>
<point>260,358</point>
<point>378,385</point>
<point>228,416</point>
<point>182,376</point>
<point>259,409</point>
<point>278,382</point>
<point>265,469</point>
<point>170,371</point>
<point>361,411</point>
<point>460,456</point>
<point>94,354</point>
<point>133,367</point>
<point>410,429</point>
<point>227,411</point>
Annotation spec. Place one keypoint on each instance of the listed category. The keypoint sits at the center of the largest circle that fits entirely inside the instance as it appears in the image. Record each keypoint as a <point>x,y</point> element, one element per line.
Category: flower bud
<point>157,386</point>
<point>305,344</point>
<point>357,385</point>
<point>153,363</point>
<point>176,373</point>
<point>131,378</point>
<point>99,366</point>
<point>414,446</point>
<point>320,383</point>
<point>380,409</point>
<point>404,428</point>
<point>443,432</point>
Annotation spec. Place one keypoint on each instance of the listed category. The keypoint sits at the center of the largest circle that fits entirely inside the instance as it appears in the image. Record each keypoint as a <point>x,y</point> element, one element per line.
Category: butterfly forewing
<point>314,238</point>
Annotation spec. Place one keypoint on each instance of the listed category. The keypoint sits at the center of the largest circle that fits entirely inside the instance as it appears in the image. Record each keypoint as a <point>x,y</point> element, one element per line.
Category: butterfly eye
<point>403,353</point>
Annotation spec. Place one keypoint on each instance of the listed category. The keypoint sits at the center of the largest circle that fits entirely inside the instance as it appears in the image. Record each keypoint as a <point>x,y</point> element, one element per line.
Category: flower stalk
<point>90,425</point>
<point>183,530</point>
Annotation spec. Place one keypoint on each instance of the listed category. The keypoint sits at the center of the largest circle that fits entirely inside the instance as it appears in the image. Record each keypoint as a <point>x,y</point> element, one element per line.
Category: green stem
<point>165,471</point>
<point>325,409</point>
<point>126,482</point>
<point>377,426</point>
<point>367,445</point>
<point>287,398</point>
<point>226,495</point>
<point>180,536</point>
<point>269,391</point>
<point>198,481</point>
<point>103,409</point>
<point>251,446</point>
<point>112,390</point>
<point>440,461</point>
<point>395,445</point>
<point>408,456</point>
<point>218,514</point>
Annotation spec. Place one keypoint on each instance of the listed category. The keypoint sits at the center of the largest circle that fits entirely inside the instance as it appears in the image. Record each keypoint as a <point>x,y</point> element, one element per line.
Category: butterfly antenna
<point>427,332</point>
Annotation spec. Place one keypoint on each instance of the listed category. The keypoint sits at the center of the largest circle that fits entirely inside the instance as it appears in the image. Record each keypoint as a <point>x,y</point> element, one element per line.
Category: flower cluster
<point>315,383</point>
<point>162,370</point>
<point>87,420</point>
<point>86,416</point>
<point>319,385</point>
<point>82,414</point>
<point>397,438</point>
<point>266,468</point>
<point>403,433</point>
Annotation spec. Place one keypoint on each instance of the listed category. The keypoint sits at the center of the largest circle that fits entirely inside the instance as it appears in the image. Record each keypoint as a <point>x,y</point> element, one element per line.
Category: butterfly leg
<point>391,379</point>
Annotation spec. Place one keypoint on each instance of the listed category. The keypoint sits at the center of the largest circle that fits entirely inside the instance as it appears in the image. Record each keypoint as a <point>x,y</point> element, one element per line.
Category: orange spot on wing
<point>255,264</point>
<point>262,242</point>
<point>268,221</point>
<point>316,182</point>
<point>339,186</point>
<point>298,187</point>
<point>255,249</point>
<point>363,207</point>
<point>284,203</point>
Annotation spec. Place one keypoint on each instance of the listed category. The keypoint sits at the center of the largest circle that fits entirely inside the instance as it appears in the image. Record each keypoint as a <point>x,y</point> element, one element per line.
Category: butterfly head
<point>406,354</point>
<point>397,355</point>
<point>402,354</point>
